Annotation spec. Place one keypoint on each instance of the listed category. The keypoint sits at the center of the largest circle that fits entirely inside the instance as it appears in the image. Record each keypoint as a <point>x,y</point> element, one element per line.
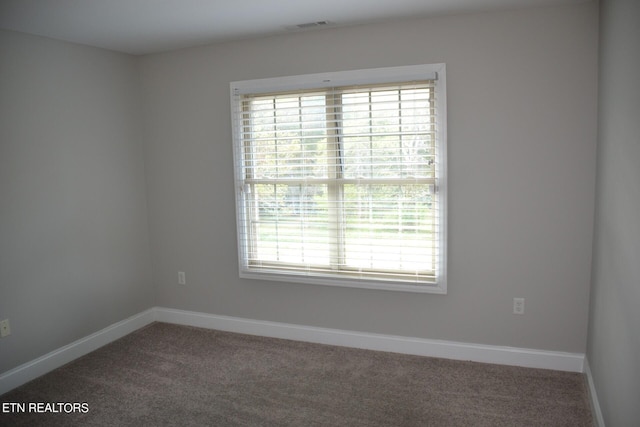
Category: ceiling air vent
<point>309,25</point>
<point>312,24</point>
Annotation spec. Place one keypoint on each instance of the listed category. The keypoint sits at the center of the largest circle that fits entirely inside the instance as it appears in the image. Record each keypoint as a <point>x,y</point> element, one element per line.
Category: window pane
<point>288,137</point>
<point>389,227</point>
<point>388,134</point>
<point>290,223</point>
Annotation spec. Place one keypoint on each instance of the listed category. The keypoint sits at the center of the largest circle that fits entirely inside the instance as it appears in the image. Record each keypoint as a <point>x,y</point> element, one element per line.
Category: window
<point>340,178</point>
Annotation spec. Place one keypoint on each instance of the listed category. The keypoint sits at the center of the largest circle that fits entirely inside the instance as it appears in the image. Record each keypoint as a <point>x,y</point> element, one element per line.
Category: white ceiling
<point>149,26</point>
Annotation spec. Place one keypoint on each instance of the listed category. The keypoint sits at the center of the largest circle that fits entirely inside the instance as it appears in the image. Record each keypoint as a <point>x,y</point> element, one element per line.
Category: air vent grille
<point>312,24</point>
<point>309,25</point>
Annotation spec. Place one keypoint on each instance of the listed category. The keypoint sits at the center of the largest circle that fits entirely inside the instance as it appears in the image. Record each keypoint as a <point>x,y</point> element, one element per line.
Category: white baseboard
<point>50,361</point>
<point>572,362</point>
<point>593,396</point>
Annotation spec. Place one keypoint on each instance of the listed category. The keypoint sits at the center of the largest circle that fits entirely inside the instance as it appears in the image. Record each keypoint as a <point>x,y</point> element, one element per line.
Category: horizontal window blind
<point>340,182</point>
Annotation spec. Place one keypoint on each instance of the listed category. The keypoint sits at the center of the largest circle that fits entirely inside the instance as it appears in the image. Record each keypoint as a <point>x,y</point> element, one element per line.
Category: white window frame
<point>337,79</point>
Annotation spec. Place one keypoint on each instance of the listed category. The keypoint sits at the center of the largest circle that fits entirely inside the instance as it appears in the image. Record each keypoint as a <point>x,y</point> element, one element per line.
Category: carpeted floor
<point>169,375</point>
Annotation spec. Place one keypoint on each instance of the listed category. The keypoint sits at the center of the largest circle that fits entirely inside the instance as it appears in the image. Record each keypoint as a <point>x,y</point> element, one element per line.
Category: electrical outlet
<point>518,306</point>
<point>182,278</point>
<point>5,329</point>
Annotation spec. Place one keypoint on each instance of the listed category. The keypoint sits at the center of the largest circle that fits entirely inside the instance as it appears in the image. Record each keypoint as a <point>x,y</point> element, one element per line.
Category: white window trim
<point>346,78</point>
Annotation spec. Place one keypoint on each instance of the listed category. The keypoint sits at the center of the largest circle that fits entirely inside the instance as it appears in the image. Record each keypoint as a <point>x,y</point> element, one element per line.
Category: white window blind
<point>341,185</point>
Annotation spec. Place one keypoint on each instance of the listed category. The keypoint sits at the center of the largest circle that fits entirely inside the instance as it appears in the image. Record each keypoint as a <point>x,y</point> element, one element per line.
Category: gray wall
<point>522,143</point>
<point>75,250</point>
<point>614,327</point>
<point>74,255</point>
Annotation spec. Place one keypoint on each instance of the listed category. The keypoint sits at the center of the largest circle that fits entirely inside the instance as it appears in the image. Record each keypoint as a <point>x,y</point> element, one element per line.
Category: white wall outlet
<point>182,278</point>
<point>5,329</point>
<point>518,306</point>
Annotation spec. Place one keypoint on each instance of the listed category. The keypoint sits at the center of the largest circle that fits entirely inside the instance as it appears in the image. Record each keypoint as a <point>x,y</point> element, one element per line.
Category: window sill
<point>348,283</point>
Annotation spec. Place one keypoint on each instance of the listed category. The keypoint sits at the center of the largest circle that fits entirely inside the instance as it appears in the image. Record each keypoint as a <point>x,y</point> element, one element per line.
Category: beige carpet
<point>168,375</point>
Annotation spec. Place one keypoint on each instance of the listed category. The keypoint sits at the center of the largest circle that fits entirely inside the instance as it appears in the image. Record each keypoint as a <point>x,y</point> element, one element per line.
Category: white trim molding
<point>593,396</point>
<point>571,362</point>
<point>55,359</point>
